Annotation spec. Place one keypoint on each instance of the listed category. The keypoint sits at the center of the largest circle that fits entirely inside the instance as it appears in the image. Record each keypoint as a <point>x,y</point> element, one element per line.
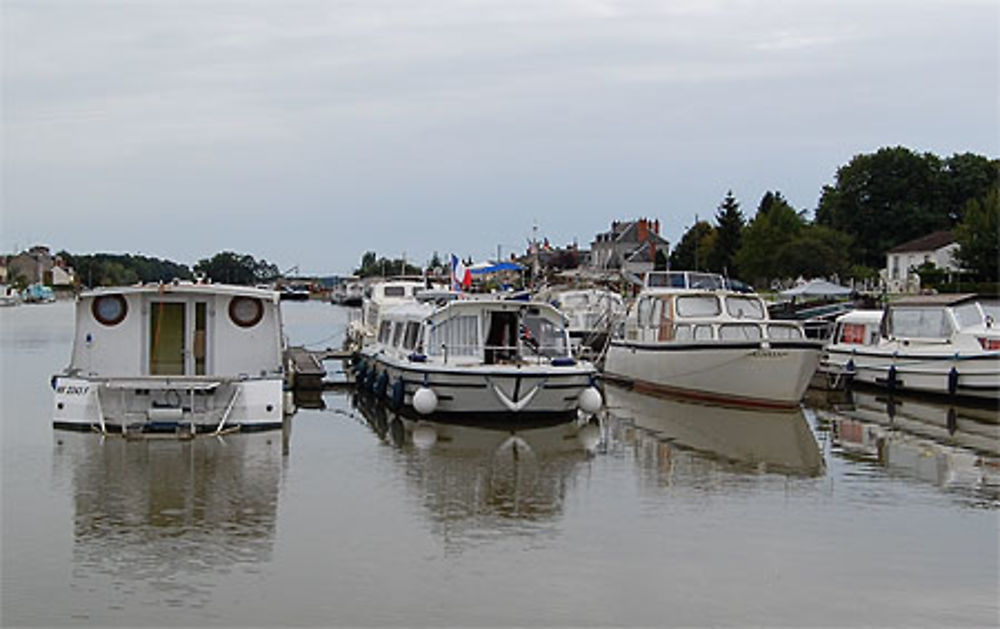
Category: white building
<point>900,274</point>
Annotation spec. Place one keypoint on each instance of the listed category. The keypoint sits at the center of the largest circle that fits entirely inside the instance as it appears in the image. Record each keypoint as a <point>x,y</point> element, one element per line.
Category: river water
<point>658,513</point>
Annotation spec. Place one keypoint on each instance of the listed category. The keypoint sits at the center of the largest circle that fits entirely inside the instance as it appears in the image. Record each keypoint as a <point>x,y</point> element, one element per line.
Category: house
<point>899,274</point>
<point>630,246</point>
<point>31,266</point>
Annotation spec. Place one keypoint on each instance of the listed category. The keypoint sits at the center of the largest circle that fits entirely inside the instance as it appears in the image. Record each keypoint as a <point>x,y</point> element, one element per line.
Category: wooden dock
<point>305,367</point>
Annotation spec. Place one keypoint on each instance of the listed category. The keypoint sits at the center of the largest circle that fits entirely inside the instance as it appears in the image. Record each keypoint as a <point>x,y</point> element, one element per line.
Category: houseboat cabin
<point>201,357</point>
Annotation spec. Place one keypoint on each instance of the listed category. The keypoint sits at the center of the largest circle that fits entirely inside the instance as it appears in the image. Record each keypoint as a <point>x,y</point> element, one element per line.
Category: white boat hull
<point>530,392</point>
<point>746,374</point>
<point>197,405</point>
<point>974,376</point>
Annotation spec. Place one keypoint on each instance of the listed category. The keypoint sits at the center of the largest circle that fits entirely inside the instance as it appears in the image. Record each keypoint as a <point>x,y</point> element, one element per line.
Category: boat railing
<point>524,352</point>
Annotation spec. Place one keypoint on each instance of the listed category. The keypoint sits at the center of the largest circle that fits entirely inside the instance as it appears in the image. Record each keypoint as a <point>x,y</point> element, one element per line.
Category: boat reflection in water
<point>164,518</point>
<point>952,446</point>
<point>477,478</point>
<point>779,441</point>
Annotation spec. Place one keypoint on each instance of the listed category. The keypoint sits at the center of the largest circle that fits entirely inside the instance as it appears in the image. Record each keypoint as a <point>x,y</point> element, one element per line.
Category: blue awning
<point>496,268</point>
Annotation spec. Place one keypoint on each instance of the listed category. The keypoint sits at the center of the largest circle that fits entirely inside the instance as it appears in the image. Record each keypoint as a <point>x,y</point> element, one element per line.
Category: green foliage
<point>232,268</point>
<point>691,253</point>
<point>373,266</point>
<point>780,243</point>
<point>978,238</point>
<point>108,269</point>
<point>729,226</point>
<point>895,195</point>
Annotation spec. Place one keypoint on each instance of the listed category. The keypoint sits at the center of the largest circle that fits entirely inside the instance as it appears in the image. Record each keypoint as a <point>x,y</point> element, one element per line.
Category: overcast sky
<point>309,132</point>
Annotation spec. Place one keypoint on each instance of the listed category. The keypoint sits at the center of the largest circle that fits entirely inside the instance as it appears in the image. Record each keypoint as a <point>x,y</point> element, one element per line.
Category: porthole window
<point>109,309</point>
<point>246,312</point>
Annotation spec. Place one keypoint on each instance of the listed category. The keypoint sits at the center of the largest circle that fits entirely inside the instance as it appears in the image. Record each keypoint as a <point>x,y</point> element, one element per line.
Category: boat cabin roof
<point>474,306</point>
<point>181,288</point>
<point>935,300</point>
<point>865,317</point>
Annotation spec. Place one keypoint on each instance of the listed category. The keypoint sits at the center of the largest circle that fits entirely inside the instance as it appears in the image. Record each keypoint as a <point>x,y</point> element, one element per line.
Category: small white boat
<point>941,344</point>
<point>180,357</point>
<point>9,296</point>
<point>592,314</point>
<point>494,359</point>
<point>379,296</point>
<point>688,334</point>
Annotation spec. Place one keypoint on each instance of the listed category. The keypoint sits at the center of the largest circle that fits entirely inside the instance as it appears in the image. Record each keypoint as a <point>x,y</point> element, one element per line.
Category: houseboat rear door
<point>177,338</point>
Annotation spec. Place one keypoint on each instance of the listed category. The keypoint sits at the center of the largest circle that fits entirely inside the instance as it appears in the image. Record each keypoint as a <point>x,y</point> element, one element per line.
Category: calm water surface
<point>660,513</point>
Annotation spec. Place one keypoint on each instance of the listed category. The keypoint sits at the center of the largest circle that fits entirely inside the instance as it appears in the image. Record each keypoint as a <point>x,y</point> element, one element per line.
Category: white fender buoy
<point>589,401</point>
<point>425,400</point>
<point>424,436</point>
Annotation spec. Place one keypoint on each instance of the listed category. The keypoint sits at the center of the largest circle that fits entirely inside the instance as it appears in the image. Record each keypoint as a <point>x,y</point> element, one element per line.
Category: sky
<point>306,133</point>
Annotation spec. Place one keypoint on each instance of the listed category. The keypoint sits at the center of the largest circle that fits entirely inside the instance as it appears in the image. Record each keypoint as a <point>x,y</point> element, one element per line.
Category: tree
<point>978,237</point>
<point>729,226</point>
<point>233,268</point>
<point>110,269</point>
<point>760,257</point>
<point>895,195</point>
<point>373,266</point>
<point>691,253</point>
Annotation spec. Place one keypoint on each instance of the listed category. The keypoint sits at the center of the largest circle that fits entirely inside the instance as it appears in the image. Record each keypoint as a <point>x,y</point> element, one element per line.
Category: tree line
<point>109,269</point>
<point>878,201</point>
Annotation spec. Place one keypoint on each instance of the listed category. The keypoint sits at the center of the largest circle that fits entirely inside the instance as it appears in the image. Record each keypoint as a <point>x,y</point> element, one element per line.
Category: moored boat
<point>939,344</point>
<point>689,334</point>
<point>491,359</point>
<point>180,357</point>
<point>592,314</point>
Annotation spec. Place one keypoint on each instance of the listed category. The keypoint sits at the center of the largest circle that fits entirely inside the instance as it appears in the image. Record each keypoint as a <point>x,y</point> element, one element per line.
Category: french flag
<point>461,277</point>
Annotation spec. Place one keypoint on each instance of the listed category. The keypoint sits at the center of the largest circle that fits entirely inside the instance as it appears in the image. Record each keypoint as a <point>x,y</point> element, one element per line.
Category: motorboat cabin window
<point>925,323</point>
<point>739,332</point>
<point>968,315</point>
<point>698,306</point>
<point>543,337</point>
<point>109,309</point>
<point>852,334</point>
<point>384,332</point>
<point>686,332</point>
<point>412,334</point>
<point>649,312</point>
<point>781,332</point>
<point>745,308</point>
<point>246,312</point>
<point>397,333</point>
<point>200,332</point>
<point>395,291</point>
<point>458,336</point>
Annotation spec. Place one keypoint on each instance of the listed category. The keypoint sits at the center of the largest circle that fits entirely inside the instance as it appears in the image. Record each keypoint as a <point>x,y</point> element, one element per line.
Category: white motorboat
<point>688,334</point>
<point>9,296</point>
<point>179,357</point>
<point>592,314</point>
<point>494,359</point>
<point>379,296</point>
<point>941,344</point>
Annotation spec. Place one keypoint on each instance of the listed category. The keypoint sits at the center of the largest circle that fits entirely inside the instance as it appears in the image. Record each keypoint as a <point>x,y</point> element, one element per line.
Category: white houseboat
<point>688,334</point>
<point>178,357</point>
<point>494,359</point>
<point>942,344</point>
